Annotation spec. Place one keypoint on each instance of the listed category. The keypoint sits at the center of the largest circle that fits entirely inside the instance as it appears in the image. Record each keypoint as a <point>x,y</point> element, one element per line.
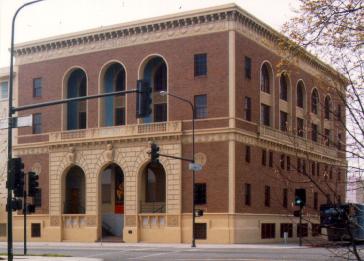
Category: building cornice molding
<point>198,22</point>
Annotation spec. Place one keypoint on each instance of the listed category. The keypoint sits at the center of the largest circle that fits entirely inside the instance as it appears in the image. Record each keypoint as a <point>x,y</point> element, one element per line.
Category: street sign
<point>25,121</point>
<point>195,167</point>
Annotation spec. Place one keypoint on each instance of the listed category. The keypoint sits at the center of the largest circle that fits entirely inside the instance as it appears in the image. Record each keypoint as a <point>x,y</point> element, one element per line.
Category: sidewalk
<point>152,245</point>
<point>44,258</point>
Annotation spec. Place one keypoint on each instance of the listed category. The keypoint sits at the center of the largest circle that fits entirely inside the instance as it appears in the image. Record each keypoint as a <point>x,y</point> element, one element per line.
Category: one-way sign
<point>24,121</point>
<point>195,167</point>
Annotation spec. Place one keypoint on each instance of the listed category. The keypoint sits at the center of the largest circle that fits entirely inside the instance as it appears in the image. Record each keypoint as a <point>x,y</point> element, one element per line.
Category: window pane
<point>264,79</point>
<point>37,123</point>
<point>200,64</point>
<point>37,87</point>
<point>160,112</point>
<point>314,130</point>
<point>120,116</point>
<point>200,193</point>
<point>284,88</point>
<point>283,121</point>
<point>300,127</point>
<point>247,109</point>
<point>265,115</point>
<point>300,95</point>
<point>200,106</point>
<point>247,194</point>
<point>248,67</point>
<point>4,90</point>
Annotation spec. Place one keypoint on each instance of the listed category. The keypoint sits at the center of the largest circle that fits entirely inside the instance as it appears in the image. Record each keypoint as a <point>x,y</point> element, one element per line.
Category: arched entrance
<point>75,192</point>
<point>111,202</point>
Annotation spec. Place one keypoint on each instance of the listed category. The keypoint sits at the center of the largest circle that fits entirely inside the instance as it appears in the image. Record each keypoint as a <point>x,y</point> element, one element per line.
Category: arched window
<point>327,107</point>
<point>113,107</point>
<point>155,74</point>
<point>75,191</point>
<point>283,93</point>
<point>314,102</point>
<point>300,95</point>
<point>76,111</point>
<point>264,79</point>
<point>154,188</point>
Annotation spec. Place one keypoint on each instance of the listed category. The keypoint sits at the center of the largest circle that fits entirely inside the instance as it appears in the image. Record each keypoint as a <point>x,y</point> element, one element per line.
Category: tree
<point>334,31</point>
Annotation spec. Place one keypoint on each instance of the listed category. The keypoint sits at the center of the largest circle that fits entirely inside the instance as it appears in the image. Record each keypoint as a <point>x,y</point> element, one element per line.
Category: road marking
<point>156,254</point>
<point>119,251</point>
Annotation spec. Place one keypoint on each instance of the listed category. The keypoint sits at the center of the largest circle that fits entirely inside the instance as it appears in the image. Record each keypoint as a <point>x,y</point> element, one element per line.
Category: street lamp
<point>164,93</point>
<point>10,133</point>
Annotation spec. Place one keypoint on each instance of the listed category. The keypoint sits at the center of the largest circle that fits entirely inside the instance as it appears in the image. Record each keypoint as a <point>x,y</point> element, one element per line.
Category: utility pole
<point>25,215</point>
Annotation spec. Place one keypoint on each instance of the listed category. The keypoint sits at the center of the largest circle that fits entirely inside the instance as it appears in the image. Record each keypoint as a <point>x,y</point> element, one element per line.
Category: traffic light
<point>154,153</point>
<point>16,204</point>
<point>33,185</point>
<point>143,99</point>
<point>30,208</point>
<point>18,176</point>
<point>300,197</point>
<point>198,213</point>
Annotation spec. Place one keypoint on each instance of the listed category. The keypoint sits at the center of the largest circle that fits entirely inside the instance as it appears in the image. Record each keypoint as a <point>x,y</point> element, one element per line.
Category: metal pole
<point>10,134</point>
<point>25,214</point>
<point>193,161</point>
<point>193,178</point>
<point>300,230</point>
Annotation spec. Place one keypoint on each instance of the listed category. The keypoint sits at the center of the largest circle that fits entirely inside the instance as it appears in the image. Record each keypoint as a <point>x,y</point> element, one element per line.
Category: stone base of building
<point>219,228</point>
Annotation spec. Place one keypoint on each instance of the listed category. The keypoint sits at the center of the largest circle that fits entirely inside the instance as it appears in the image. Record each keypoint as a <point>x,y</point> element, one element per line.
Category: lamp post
<point>10,134</point>
<point>164,93</point>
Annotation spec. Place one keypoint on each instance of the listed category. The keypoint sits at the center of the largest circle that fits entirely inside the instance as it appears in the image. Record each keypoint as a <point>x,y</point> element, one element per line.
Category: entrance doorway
<point>112,203</point>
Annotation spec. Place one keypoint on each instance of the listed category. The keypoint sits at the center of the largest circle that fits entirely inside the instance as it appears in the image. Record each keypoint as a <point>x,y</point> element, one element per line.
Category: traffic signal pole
<point>25,215</point>
<point>300,238</point>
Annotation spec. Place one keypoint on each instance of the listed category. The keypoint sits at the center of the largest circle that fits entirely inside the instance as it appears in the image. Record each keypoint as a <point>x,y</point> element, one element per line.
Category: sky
<point>54,17</point>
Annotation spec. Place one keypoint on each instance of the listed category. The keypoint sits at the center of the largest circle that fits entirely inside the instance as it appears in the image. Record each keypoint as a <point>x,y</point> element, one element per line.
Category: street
<point>183,252</point>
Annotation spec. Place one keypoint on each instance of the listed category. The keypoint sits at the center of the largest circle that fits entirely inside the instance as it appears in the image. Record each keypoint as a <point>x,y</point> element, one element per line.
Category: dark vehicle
<point>341,220</point>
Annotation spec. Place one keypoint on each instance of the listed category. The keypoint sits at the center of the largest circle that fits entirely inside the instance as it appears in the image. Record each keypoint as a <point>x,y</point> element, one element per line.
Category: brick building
<point>260,132</point>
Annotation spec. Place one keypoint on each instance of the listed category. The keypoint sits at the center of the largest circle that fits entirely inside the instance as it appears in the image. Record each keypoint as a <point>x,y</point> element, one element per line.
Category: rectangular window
<point>200,64</point>
<point>315,200</point>
<point>268,230</point>
<point>338,176</point>
<point>283,121</point>
<point>313,168</point>
<point>248,67</point>
<point>247,108</point>
<point>2,230</point>
<point>330,173</point>
<point>247,194</point>
<point>302,230</point>
<point>160,112</point>
<point>316,230</point>
<point>200,106</point>
<point>288,163</point>
<point>304,167</point>
<point>120,116</point>
<point>38,198</point>
<point>288,228</point>
<point>271,159</point>
<point>82,120</point>
<point>339,141</point>
<point>267,196</point>
<point>200,231</point>
<point>37,123</point>
<point>285,198</point>
<point>318,168</point>
<point>247,153</point>
<point>282,161</point>
<point>300,127</point>
<point>327,137</point>
<point>35,230</point>
<point>200,193</point>
<point>338,112</point>
<point>264,157</point>
<point>4,90</point>
<point>314,132</point>
<point>265,114</point>
<point>299,167</point>
<point>37,87</point>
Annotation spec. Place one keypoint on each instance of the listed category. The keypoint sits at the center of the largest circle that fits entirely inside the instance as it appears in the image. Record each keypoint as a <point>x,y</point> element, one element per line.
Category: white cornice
<point>197,22</point>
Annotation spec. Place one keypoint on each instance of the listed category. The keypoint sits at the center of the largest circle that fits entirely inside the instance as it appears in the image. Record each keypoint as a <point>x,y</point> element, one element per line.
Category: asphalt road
<point>185,253</point>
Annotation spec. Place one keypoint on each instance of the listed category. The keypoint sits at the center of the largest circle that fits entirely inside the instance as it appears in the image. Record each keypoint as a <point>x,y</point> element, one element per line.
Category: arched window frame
<point>265,81</point>
<point>284,87</point>
<point>300,95</point>
<point>315,102</point>
<point>328,107</point>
